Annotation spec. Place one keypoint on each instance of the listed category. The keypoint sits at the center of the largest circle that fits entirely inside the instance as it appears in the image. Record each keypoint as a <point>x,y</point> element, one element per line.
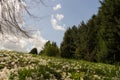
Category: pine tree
<point>109,38</point>
<point>82,48</point>
<point>68,45</point>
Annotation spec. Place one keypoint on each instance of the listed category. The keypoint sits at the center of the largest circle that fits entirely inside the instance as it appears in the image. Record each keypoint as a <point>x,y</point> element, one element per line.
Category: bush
<point>34,51</point>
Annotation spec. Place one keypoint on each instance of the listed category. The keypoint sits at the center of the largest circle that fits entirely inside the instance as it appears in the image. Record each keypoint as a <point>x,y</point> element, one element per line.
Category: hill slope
<point>19,66</point>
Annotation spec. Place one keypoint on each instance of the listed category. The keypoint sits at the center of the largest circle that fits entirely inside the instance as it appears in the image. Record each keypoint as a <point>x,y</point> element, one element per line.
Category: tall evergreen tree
<point>91,38</point>
<point>68,45</point>
<point>109,38</point>
<point>82,49</point>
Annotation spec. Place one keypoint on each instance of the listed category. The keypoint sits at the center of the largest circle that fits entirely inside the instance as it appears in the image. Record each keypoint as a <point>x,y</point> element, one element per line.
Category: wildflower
<point>67,79</point>
<point>58,71</point>
<point>96,76</point>
<point>64,74</point>
<point>69,74</point>
<point>4,75</point>
<point>28,78</point>
<point>12,63</point>
<point>81,78</point>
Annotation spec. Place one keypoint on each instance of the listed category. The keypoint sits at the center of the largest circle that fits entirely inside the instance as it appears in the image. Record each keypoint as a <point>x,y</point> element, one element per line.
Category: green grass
<point>36,67</point>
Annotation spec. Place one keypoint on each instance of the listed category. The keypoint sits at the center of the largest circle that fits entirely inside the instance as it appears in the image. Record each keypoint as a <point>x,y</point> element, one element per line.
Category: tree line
<point>97,40</point>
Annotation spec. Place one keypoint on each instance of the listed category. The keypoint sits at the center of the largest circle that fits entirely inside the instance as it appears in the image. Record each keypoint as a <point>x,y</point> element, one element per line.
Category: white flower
<point>4,75</point>
<point>96,76</point>
<point>81,78</point>
<point>64,74</point>
<point>58,71</point>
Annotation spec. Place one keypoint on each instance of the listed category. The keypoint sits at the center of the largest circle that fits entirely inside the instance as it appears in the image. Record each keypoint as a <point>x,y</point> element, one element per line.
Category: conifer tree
<point>109,38</point>
<point>68,45</point>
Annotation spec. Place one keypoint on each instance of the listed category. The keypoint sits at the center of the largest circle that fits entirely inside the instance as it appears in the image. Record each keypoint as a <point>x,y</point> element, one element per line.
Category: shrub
<point>34,51</point>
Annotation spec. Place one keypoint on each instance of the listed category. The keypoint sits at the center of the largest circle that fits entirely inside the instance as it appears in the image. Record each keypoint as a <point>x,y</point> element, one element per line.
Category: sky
<point>49,21</point>
<point>61,14</point>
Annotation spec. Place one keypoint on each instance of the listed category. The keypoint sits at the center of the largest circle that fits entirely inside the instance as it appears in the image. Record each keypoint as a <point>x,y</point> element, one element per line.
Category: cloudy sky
<point>50,20</point>
<point>60,14</point>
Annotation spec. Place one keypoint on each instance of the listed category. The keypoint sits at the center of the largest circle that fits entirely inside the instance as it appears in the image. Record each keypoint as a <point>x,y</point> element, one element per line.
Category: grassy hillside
<point>19,66</point>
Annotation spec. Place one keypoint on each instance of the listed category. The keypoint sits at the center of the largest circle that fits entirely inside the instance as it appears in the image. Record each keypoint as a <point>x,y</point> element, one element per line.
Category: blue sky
<point>58,16</point>
<point>49,21</point>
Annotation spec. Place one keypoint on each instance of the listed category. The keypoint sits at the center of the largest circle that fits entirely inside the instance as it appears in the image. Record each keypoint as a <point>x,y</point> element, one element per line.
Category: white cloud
<point>55,24</point>
<point>59,17</point>
<point>37,41</point>
<point>57,7</point>
<point>23,44</point>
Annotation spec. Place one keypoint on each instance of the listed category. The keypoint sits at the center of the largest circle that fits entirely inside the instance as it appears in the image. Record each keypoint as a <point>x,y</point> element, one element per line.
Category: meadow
<point>23,66</point>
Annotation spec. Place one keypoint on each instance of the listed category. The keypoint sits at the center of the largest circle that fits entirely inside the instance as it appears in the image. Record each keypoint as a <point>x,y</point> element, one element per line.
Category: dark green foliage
<point>82,40</point>
<point>97,40</point>
<point>109,38</point>
<point>34,51</point>
<point>50,49</point>
<point>68,45</point>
